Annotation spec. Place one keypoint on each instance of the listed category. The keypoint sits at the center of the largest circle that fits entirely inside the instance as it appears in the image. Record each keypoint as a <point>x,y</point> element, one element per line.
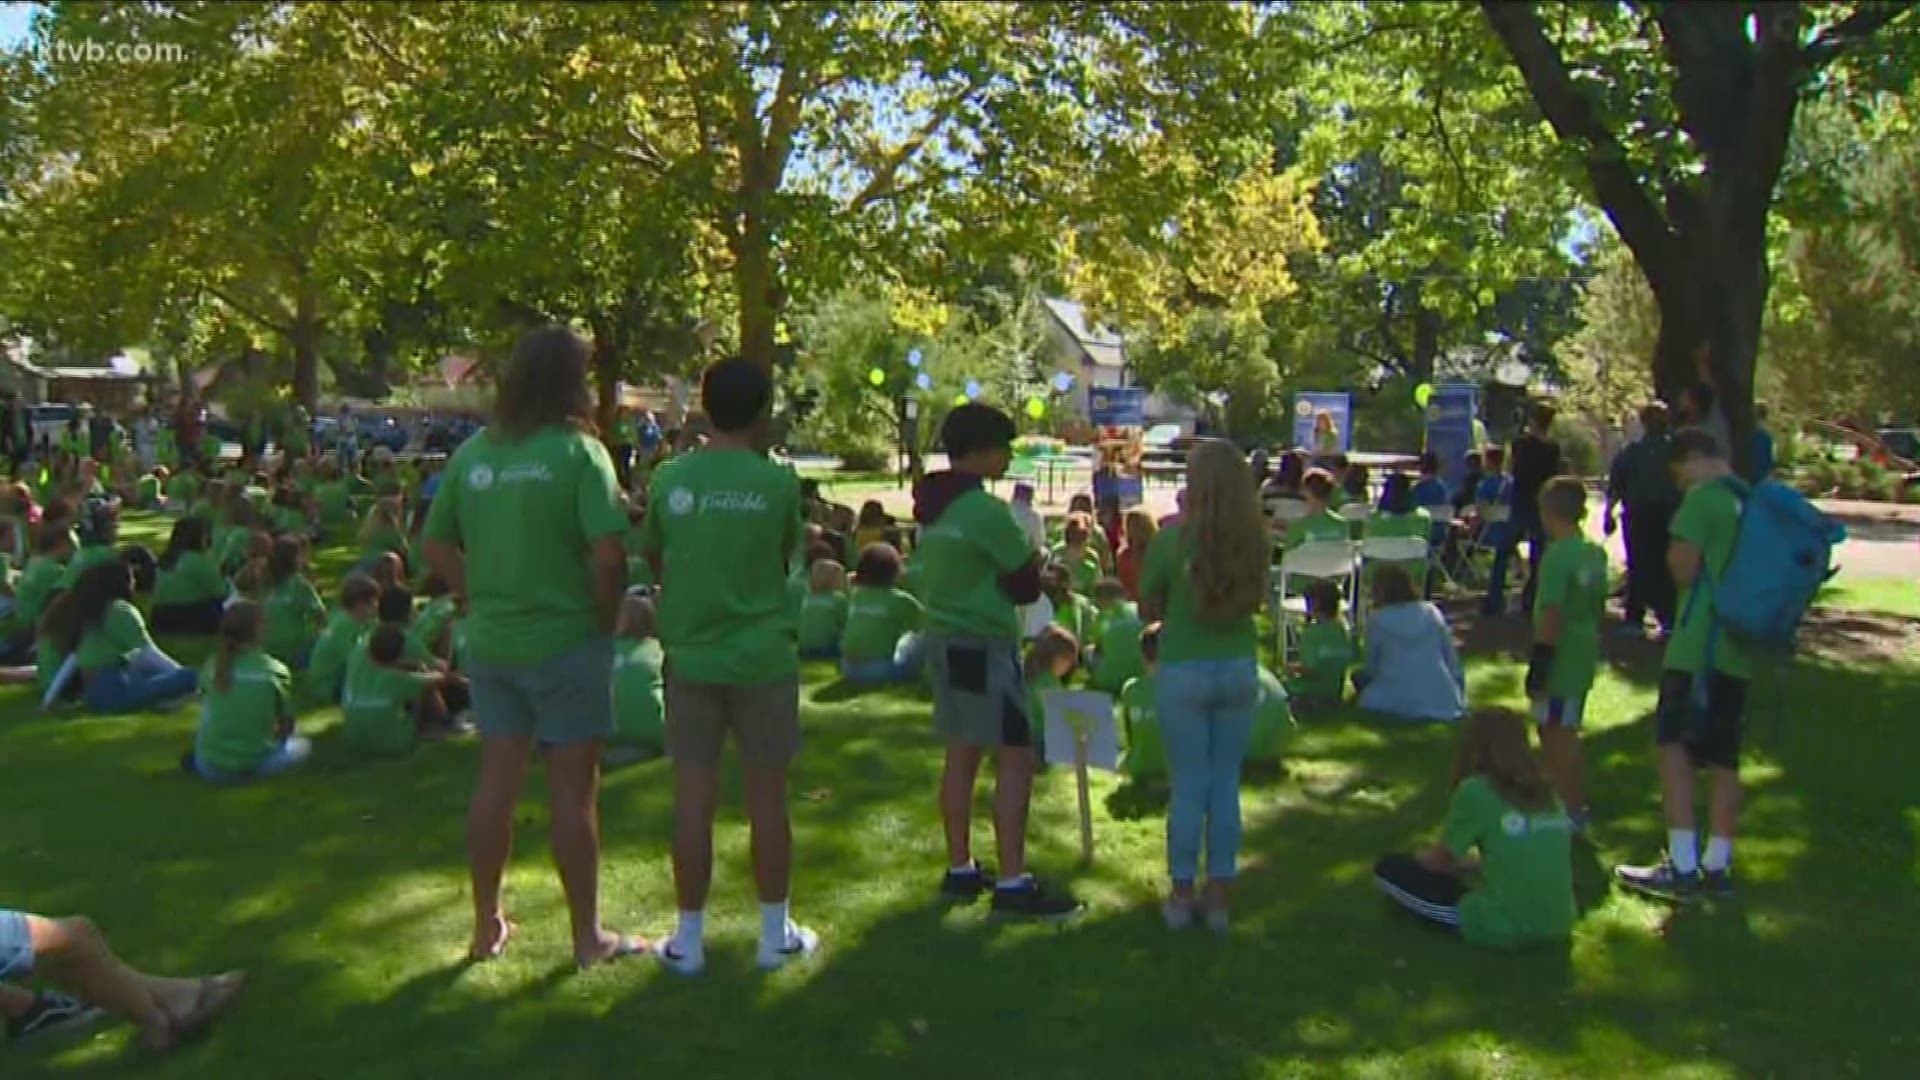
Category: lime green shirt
<point>238,725</point>
<point>1709,519</point>
<point>294,616</point>
<point>540,503</point>
<point>723,523</point>
<point>962,557</point>
<point>335,502</point>
<point>1084,568</point>
<point>1417,524</point>
<point>1526,861</point>
<point>381,541</point>
<point>35,587</point>
<point>823,617</point>
<point>1140,724</point>
<point>327,666</point>
<point>119,634</point>
<point>1167,580</point>
<point>377,708</point>
<point>436,615</point>
<point>1326,652</point>
<point>876,621</point>
<point>192,579</point>
<point>1573,579</point>
<point>639,694</point>
<point>84,559</point>
<point>1116,643</point>
<point>1325,525</point>
<point>146,490</point>
<point>1077,616</point>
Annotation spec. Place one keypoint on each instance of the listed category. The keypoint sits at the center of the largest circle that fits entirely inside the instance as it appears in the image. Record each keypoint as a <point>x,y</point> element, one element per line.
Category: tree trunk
<point>1715,296</point>
<point>1426,344</point>
<point>753,281</point>
<point>305,336</point>
<point>607,369</point>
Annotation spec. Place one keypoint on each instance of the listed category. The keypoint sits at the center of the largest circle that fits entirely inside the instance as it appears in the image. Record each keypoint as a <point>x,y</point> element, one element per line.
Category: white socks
<point>688,937</point>
<point>773,925</point>
<point>1013,882</point>
<point>1683,847</point>
<point>1719,854</point>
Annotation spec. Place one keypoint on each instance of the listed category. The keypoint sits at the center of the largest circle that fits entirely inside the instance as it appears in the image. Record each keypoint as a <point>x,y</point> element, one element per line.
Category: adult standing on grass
<point>1536,459</point>
<point>1205,577</point>
<point>526,532</point>
<point>1641,482</point>
<point>720,525</point>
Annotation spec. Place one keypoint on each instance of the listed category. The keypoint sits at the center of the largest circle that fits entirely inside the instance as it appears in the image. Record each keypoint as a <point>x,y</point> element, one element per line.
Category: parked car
<point>47,422</point>
<point>445,434</point>
<point>370,430</point>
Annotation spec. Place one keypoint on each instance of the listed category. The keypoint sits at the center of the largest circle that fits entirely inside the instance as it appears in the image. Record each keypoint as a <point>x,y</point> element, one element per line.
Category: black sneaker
<point>1031,900</point>
<point>1718,883</point>
<point>967,884</point>
<point>50,1014</point>
<point>1662,881</point>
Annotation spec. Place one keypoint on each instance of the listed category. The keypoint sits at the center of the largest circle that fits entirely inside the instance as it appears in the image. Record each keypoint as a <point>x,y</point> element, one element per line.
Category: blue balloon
<point>913,358</point>
<point>973,390</point>
<point>1062,382</point>
<point>924,381</point>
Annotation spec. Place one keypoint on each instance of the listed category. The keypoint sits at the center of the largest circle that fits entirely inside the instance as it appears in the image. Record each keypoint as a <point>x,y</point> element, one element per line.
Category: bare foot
<point>190,1014</point>
<point>608,948</point>
<point>490,939</point>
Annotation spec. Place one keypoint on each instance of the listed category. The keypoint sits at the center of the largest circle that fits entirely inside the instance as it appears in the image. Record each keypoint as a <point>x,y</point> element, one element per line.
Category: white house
<point>1096,357</point>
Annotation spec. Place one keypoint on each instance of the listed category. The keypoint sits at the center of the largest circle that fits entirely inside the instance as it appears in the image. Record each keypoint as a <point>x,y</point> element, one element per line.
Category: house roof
<point>1098,345</point>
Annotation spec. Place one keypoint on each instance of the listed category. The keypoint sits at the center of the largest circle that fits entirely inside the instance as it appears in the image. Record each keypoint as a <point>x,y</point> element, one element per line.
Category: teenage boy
<point>1701,709</point>
<point>1566,637</point>
<point>976,565</point>
<point>1641,482</point>
<point>718,529</point>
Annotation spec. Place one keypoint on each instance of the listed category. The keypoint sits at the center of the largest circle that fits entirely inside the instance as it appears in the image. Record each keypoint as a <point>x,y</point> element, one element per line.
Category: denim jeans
<point>1206,716</point>
<point>904,666</point>
<point>1523,527</point>
<point>151,678</point>
<point>292,752</point>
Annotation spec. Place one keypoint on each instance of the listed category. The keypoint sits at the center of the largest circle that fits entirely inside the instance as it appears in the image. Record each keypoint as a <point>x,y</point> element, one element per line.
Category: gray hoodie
<point>1413,672</point>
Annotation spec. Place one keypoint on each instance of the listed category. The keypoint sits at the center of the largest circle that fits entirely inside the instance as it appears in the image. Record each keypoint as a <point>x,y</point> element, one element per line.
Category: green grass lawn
<point>1889,596</point>
<point>343,888</point>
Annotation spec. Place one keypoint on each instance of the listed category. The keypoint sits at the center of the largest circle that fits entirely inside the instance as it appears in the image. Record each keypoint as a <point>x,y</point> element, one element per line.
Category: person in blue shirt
<point>1760,454</point>
<point>1430,492</point>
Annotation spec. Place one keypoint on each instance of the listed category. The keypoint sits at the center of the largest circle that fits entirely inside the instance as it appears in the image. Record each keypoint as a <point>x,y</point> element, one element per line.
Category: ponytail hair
<point>283,560</point>
<point>239,631</point>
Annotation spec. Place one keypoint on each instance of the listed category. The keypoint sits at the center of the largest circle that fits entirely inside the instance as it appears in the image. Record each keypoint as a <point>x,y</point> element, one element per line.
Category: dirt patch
<point>1859,636</point>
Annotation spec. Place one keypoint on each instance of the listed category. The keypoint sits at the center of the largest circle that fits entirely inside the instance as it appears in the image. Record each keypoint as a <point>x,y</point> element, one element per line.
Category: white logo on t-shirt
<point>480,477</point>
<point>1513,823</point>
<point>680,501</point>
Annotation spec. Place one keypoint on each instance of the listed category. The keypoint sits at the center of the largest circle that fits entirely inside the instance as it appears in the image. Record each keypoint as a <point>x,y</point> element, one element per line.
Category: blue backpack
<point>1782,555</point>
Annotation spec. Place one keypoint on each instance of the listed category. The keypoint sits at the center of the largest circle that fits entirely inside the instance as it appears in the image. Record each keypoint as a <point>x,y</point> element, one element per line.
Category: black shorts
<point>1711,734</point>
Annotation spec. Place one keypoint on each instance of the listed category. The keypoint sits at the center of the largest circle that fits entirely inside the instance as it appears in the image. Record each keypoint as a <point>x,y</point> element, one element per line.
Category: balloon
<point>877,377</point>
<point>1036,408</point>
<point>1423,394</point>
<point>1062,382</point>
<point>960,399</point>
<point>973,390</point>
<point>924,381</point>
<point>913,358</point>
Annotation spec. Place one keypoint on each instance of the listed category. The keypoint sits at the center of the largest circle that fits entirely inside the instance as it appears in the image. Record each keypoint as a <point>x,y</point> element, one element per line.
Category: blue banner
<point>1117,406</point>
<point>1119,415</point>
<point>1307,407</point>
<point>1451,413</point>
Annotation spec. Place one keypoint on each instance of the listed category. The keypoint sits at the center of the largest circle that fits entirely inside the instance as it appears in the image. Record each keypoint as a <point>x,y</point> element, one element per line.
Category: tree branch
<point>881,184</point>
<point>251,314</point>
<point>1625,201</point>
<point>1869,18</point>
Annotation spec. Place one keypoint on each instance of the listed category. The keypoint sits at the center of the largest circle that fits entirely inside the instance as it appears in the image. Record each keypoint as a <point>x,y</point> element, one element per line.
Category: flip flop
<point>212,995</point>
<point>476,955</point>
<point>625,947</point>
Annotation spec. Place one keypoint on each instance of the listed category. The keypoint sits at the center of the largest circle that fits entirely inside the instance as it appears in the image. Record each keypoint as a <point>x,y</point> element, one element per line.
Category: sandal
<point>212,995</point>
<point>625,946</point>
<point>478,955</point>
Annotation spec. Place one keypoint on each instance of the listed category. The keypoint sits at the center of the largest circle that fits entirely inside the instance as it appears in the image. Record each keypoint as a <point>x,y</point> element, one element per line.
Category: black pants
<point>199,618</point>
<point>623,464</point>
<point>1431,894</point>
<point>1649,581</point>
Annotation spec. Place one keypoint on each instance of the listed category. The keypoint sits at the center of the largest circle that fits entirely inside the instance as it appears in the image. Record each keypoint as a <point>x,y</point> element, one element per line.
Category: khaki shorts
<point>765,719</point>
<point>564,700</point>
<point>979,691</point>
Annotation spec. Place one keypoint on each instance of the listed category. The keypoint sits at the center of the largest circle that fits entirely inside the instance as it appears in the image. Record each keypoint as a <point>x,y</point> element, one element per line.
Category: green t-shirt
<point>294,615</point>
<point>376,707</point>
<point>192,579</point>
<point>962,557</point>
<point>430,625</point>
<point>1272,721</point>
<point>119,634</point>
<point>1326,652</point>
<point>876,621</point>
<point>288,519</point>
<point>1573,578</point>
<point>1184,633</point>
<point>35,587</point>
<point>1116,643</point>
<point>724,522</point>
<point>639,695</point>
<point>327,666</point>
<point>1140,723</point>
<point>1417,524</point>
<point>540,502</point>
<point>383,540</point>
<point>84,559</point>
<point>146,490</point>
<point>238,724</point>
<point>1526,860</point>
<point>1083,568</point>
<point>335,502</point>
<point>823,616</point>
<point>1078,616</point>
<point>1709,519</point>
<point>211,447</point>
<point>1325,525</point>
<point>236,547</point>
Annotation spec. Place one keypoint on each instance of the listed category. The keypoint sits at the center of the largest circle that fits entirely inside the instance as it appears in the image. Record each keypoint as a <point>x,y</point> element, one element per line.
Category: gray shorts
<point>16,945</point>
<point>764,719</point>
<point>979,691</point>
<point>561,701</point>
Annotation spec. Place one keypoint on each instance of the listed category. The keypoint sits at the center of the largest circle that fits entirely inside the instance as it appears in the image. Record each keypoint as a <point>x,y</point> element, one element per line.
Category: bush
<point>1579,449</point>
<point>865,458</point>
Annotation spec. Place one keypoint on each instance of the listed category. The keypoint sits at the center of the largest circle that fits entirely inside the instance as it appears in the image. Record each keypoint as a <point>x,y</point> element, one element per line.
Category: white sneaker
<point>691,962</point>
<point>800,944</point>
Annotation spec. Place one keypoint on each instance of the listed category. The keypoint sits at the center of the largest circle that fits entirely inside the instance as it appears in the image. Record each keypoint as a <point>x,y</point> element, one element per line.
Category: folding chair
<point>1315,560</point>
<point>1491,515</point>
<point>1385,549</point>
<point>1444,517</point>
<point>1283,511</point>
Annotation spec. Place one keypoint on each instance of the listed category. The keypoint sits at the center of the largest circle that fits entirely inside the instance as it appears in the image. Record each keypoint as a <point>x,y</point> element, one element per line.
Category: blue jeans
<point>903,666</point>
<point>1206,716</point>
<point>1526,527</point>
<point>292,752</point>
<point>126,688</point>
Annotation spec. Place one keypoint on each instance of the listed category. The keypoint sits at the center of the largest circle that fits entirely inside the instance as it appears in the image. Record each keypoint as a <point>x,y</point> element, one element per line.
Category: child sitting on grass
<point>1146,761</point>
<point>1077,553</point>
<point>246,722</point>
<point>388,703</point>
<point>34,591</point>
<point>1082,504</point>
<point>873,526</point>
<point>1412,669</point>
<point>1567,607</point>
<point>1072,612</point>
<point>434,624</point>
<point>146,490</point>
<point>250,579</point>
<point>1116,658</point>
<point>1051,658</point>
<point>294,612</point>
<point>1272,723</point>
<point>1504,809</point>
<point>288,516</point>
<point>183,491</point>
<point>1319,678</point>
<point>388,571</point>
<point>241,542</point>
<point>105,639</point>
<point>99,529</point>
<point>639,688</point>
<point>1319,522</point>
<point>800,580</point>
<point>823,615</point>
<point>395,608</point>
<point>327,665</point>
<point>333,497</point>
<point>189,591</point>
<point>1137,534</point>
<point>384,534</point>
<point>881,642</point>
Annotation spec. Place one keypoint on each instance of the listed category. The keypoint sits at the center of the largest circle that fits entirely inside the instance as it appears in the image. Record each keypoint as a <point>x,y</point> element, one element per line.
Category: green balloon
<point>959,400</point>
<point>877,377</point>
<point>1036,408</point>
<point>1423,394</point>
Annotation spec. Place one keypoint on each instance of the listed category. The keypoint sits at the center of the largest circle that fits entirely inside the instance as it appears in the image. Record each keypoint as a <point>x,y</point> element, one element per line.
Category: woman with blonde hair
<point>1204,577</point>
